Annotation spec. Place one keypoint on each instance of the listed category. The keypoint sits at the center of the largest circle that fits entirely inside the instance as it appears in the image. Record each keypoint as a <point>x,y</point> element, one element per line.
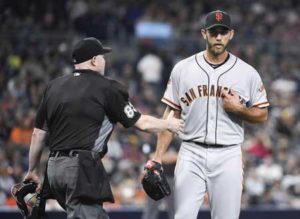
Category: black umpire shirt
<point>79,111</point>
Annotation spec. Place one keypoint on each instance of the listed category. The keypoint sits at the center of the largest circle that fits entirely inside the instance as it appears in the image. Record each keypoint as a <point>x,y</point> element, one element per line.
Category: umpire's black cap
<point>217,18</point>
<point>88,48</point>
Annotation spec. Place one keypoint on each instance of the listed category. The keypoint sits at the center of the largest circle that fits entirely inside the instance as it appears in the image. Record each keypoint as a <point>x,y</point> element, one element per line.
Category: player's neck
<point>215,59</point>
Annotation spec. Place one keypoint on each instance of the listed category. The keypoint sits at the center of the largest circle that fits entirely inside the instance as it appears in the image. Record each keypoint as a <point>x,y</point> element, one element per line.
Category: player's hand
<point>231,101</point>
<point>174,125</point>
<point>32,176</point>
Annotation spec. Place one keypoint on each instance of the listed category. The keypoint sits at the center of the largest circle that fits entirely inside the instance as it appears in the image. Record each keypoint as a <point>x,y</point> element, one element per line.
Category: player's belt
<point>206,145</point>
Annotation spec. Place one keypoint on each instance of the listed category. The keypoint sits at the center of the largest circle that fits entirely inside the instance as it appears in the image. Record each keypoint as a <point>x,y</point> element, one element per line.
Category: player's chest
<point>211,82</point>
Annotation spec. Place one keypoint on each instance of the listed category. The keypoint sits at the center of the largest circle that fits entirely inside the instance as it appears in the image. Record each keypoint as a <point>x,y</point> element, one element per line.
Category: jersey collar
<point>208,68</point>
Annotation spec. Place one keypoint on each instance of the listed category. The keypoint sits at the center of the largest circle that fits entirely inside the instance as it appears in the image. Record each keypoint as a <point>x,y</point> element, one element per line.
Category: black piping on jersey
<point>103,136</point>
<point>207,108</point>
<point>216,129</point>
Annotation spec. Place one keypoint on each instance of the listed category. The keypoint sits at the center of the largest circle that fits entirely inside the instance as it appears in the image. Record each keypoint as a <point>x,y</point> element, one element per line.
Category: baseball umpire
<point>214,92</point>
<point>78,113</point>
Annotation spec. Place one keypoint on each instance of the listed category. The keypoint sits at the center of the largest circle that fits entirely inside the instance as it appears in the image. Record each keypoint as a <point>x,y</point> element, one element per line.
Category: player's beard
<point>212,48</point>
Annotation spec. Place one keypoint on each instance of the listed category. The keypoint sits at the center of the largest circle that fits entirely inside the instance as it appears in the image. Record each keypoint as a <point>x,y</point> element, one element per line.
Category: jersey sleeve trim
<point>261,105</point>
<point>170,103</point>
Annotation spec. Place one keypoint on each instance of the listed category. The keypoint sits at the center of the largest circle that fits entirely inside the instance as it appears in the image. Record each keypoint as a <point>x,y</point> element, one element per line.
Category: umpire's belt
<point>68,153</point>
<point>206,145</point>
<point>72,153</point>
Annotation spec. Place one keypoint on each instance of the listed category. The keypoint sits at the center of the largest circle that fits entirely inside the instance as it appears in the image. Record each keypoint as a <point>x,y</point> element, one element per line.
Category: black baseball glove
<point>154,181</point>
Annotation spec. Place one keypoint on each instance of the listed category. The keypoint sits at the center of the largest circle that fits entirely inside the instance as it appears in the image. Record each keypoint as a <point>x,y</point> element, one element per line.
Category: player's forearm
<point>164,138</point>
<point>163,141</point>
<point>253,114</point>
<point>36,148</point>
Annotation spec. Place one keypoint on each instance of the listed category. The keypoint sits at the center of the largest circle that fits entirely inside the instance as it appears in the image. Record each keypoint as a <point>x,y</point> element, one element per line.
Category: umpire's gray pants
<point>62,175</point>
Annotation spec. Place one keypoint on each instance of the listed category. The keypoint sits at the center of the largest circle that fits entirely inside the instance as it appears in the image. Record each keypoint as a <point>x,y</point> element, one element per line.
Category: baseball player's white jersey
<point>195,88</point>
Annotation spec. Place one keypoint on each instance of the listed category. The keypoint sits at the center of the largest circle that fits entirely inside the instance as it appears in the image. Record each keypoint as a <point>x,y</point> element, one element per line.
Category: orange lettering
<point>200,90</point>
<point>188,97</point>
<point>193,94</point>
<point>205,93</point>
<point>184,101</point>
<point>219,90</point>
<point>212,90</point>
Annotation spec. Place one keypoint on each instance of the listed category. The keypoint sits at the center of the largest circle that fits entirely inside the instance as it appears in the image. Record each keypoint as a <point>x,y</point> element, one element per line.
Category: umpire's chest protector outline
<point>195,88</point>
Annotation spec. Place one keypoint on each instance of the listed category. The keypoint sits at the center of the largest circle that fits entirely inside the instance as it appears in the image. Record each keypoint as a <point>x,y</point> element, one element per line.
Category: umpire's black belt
<point>206,145</point>
<point>72,153</point>
<point>69,153</point>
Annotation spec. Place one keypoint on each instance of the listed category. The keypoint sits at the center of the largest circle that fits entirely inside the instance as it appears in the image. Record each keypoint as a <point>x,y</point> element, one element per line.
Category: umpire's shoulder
<point>116,86</point>
<point>58,80</point>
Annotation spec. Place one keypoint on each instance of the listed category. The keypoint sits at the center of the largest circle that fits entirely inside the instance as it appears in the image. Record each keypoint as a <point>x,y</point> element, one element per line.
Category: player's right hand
<point>231,102</point>
<point>174,125</point>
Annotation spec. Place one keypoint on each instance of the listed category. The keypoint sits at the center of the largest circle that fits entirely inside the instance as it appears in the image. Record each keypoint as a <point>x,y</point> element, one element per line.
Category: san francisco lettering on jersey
<point>201,91</point>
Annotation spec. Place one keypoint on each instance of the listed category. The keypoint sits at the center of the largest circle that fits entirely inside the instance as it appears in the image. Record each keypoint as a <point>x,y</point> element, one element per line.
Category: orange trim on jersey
<point>170,103</point>
<point>261,105</point>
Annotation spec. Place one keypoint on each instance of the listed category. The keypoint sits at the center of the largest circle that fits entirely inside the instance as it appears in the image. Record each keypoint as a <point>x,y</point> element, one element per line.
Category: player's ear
<point>231,34</point>
<point>203,32</point>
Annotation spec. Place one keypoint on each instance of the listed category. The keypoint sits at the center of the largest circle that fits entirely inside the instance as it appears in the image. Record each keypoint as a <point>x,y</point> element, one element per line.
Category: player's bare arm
<point>232,103</point>
<point>154,125</point>
<point>164,138</point>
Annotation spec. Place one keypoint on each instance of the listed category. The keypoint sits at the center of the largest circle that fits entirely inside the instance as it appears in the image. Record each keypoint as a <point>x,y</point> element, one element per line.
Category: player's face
<point>217,39</point>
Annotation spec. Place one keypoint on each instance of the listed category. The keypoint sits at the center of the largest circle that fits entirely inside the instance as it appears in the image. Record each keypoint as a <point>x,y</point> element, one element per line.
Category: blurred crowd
<point>36,41</point>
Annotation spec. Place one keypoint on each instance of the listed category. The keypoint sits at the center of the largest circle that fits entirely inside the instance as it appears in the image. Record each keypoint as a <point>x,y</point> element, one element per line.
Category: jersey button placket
<point>212,99</point>
<point>212,103</point>
<point>211,120</point>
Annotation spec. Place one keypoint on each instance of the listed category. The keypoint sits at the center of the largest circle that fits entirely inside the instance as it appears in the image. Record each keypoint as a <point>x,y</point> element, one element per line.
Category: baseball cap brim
<point>217,25</point>
<point>105,50</point>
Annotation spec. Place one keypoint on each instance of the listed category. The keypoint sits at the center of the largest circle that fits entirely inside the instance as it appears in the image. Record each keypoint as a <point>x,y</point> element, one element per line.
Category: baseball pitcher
<point>214,92</point>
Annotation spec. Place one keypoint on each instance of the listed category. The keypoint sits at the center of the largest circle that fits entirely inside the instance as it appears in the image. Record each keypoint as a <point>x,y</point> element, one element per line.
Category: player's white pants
<point>217,171</point>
